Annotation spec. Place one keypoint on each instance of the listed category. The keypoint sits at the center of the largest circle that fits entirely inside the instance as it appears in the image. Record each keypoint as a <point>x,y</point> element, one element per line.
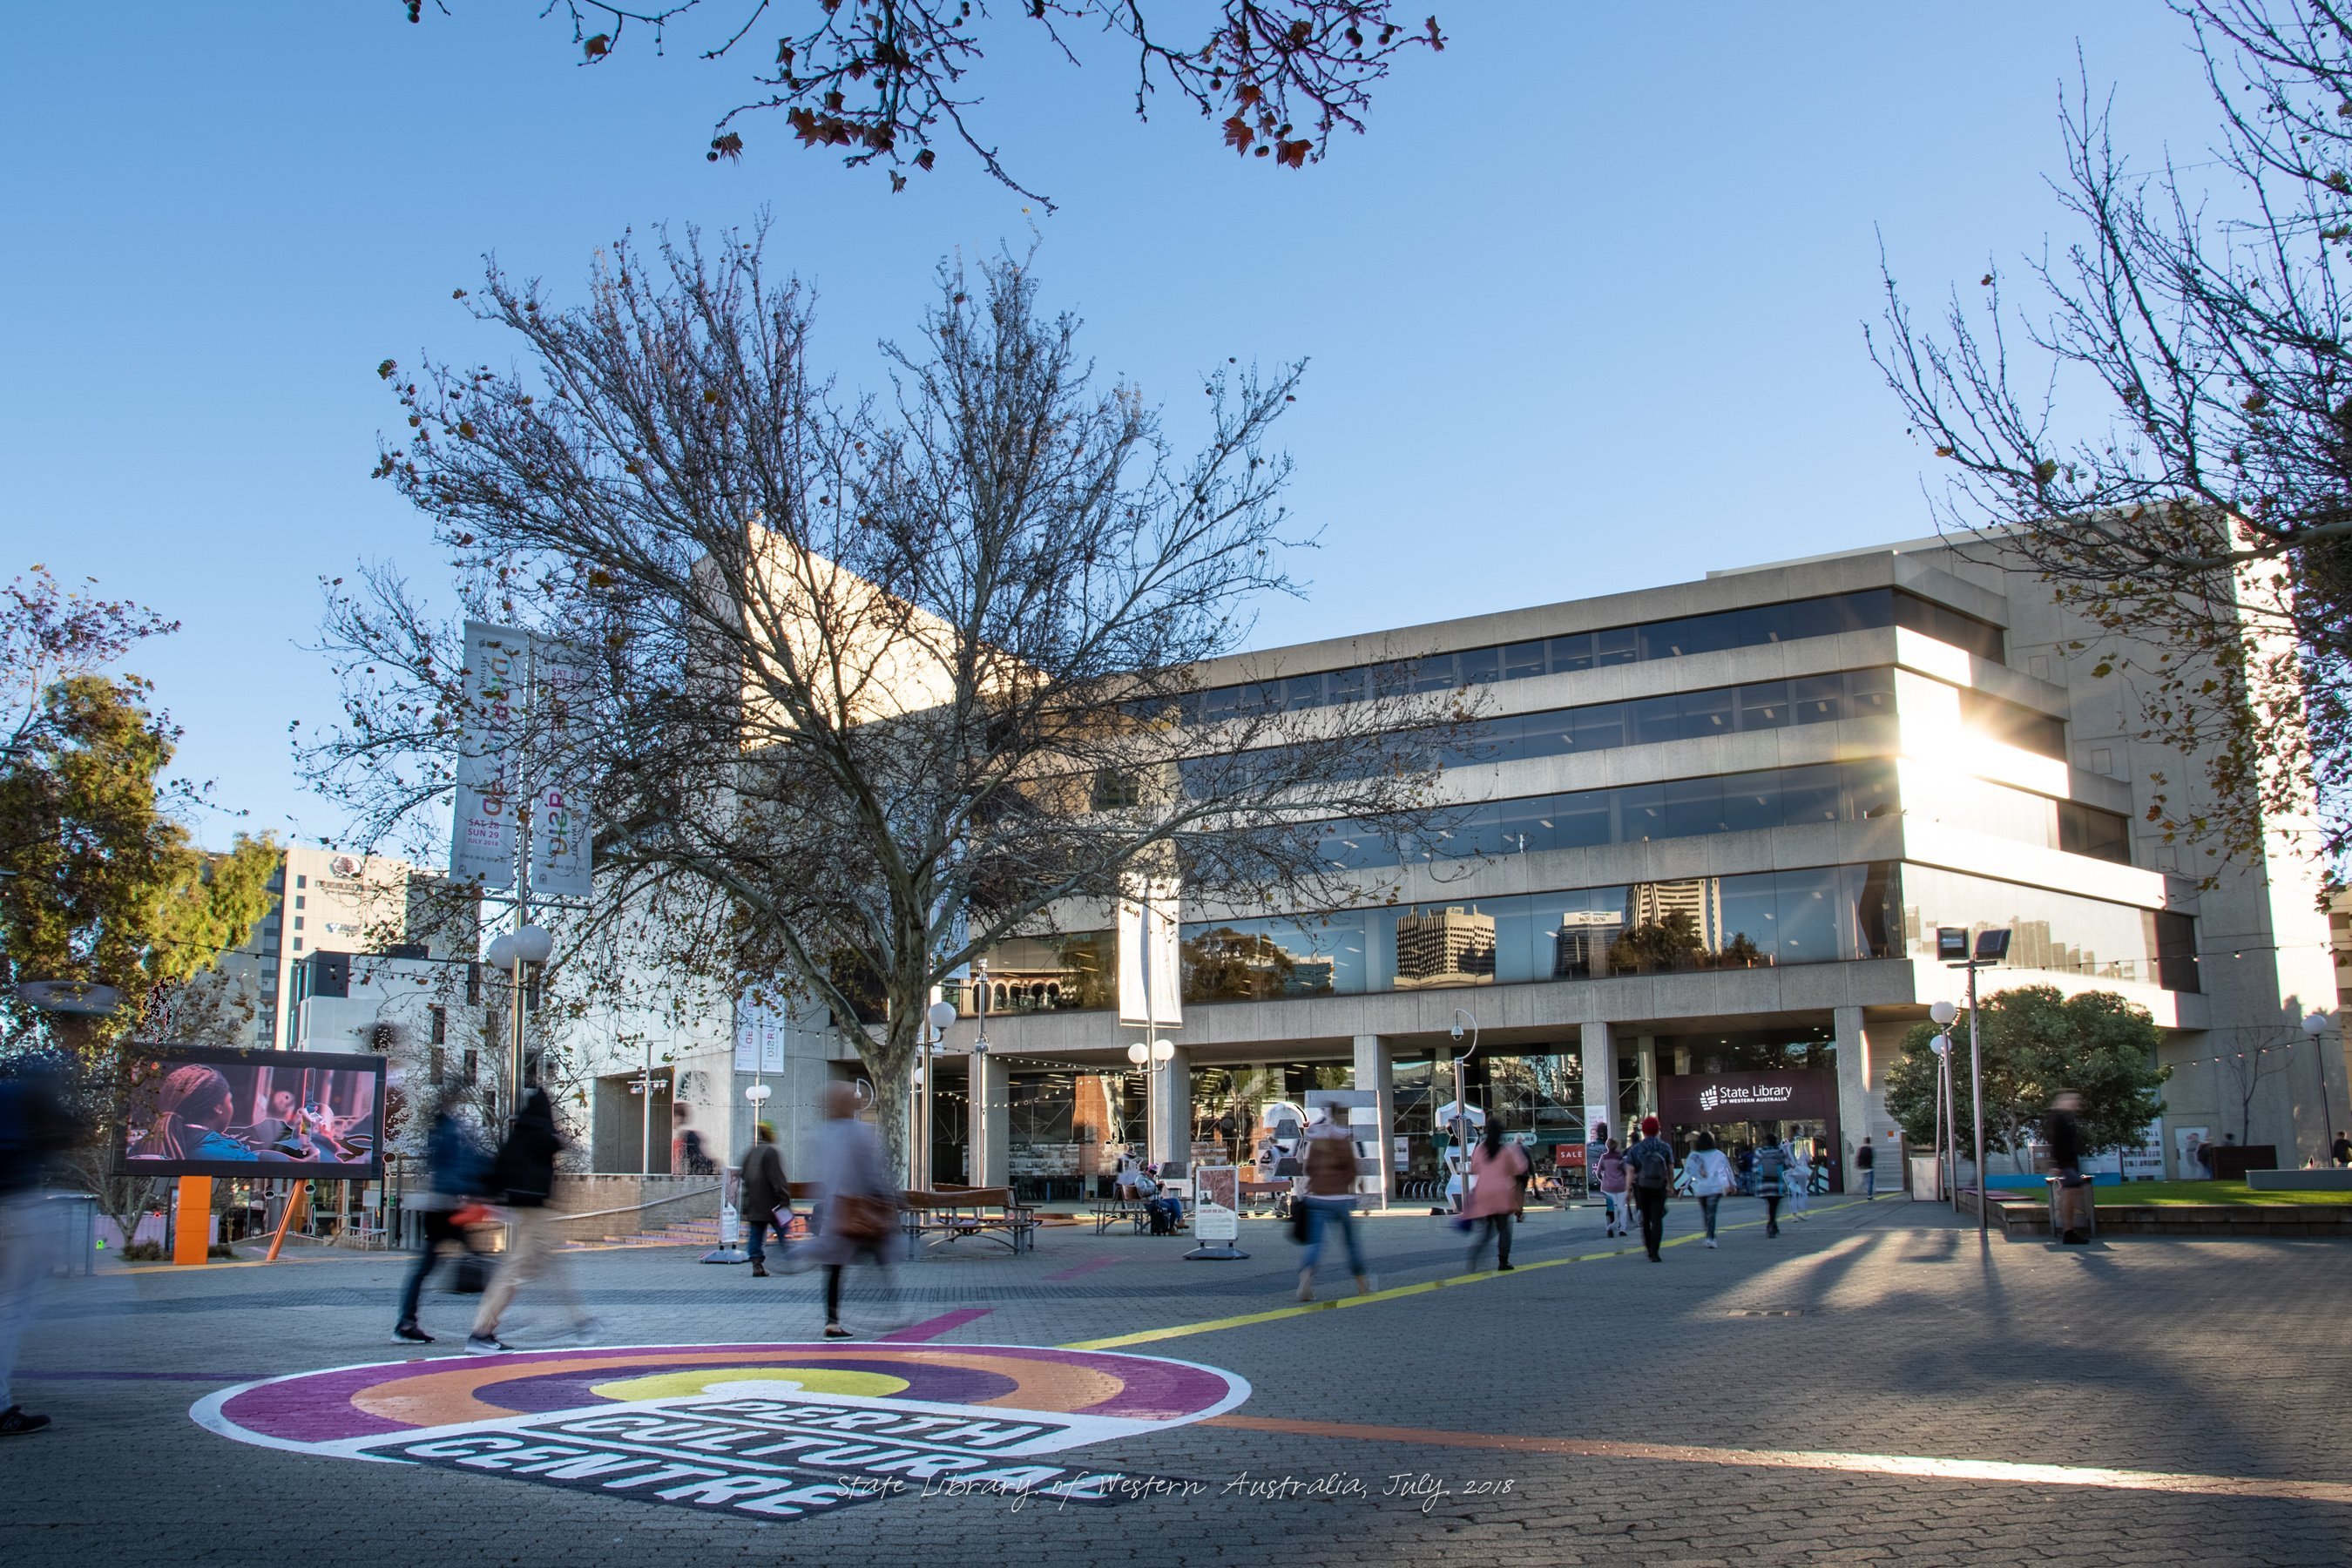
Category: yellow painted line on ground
<point>1395,1293</point>
<point>1917,1465</point>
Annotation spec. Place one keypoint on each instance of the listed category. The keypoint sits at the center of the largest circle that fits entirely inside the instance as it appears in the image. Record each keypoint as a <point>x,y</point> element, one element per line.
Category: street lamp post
<point>2316,1024</point>
<point>1461,1098</point>
<point>1948,1124</point>
<point>941,1013</point>
<point>1991,947</point>
<point>514,951</point>
<point>976,1083</point>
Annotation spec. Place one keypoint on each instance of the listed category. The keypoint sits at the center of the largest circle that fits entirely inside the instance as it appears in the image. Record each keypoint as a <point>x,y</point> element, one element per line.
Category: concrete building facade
<point>1712,828</point>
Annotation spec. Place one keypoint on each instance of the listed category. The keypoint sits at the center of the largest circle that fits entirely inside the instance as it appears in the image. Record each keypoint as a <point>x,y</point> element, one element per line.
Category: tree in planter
<point>2037,1043</point>
<point>2168,440</point>
<point>878,685</point>
<point>103,884</point>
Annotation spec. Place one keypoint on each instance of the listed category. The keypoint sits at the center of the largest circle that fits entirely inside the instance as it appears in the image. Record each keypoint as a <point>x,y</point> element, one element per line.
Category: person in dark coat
<point>523,1173</point>
<point>455,1171</point>
<point>859,1197</point>
<point>762,1196</point>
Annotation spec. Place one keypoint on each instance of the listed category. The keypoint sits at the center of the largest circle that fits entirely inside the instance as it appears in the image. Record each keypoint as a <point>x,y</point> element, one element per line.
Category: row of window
<point>1758,624</point>
<point>1758,919</point>
<point>1634,813</point>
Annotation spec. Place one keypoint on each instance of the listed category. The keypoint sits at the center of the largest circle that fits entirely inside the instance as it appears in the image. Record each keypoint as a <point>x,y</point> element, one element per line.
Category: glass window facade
<point>1981,805</point>
<point>1748,921</point>
<point>1755,627</point>
<point>1634,814</point>
<point>2060,932</point>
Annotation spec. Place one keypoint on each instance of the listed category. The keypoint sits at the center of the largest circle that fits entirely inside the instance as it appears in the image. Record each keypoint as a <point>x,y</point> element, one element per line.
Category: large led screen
<point>192,1111</point>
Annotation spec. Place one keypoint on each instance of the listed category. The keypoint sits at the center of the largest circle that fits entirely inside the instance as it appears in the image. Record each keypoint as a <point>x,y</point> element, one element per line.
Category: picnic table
<point>957,1213</point>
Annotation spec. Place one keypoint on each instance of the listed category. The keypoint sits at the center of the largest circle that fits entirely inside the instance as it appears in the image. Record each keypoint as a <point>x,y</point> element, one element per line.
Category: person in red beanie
<point>1651,1165</point>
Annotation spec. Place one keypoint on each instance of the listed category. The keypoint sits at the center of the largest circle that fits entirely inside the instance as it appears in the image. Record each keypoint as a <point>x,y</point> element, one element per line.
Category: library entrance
<point>1739,1108</point>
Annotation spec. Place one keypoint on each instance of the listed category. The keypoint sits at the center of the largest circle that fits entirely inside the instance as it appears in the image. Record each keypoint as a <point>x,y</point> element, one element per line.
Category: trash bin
<point>1927,1179</point>
<point>2074,1217</point>
<point>74,1233</point>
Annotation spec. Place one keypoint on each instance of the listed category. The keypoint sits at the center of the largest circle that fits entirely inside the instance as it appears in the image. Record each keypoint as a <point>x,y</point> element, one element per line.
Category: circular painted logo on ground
<point>771,1431</point>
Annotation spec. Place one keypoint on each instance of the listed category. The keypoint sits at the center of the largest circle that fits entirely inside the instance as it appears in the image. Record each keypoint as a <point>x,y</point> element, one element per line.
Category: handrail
<point>632,1208</point>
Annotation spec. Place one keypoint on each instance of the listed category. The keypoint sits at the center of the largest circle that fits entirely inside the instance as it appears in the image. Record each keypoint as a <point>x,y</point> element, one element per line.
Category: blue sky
<point>1584,309</point>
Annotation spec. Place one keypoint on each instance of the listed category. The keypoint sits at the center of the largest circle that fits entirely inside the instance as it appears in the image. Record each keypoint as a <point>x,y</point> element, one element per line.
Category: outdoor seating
<point>958,1213</point>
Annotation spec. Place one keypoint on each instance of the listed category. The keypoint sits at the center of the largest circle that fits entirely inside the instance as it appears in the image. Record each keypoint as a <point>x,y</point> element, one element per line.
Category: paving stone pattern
<point>1884,1328</point>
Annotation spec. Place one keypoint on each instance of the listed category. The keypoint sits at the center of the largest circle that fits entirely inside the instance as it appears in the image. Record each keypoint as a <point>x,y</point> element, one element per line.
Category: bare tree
<point>2209,514</point>
<point>879,683</point>
<point>886,80</point>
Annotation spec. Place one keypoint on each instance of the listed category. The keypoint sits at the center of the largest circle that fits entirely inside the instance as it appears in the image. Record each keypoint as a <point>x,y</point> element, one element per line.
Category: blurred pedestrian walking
<point>1613,1191</point>
<point>455,1169</point>
<point>1772,1175</point>
<point>1650,1166</point>
<point>1800,1180</point>
<point>1499,1174</point>
<point>522,1177</point>
<point>762,1196</point>
<point>1332,1167</point>
<point>1707,1176</point>
<point>857,1216</point>
<point>37,1124</point>
<point>1866,1160</point>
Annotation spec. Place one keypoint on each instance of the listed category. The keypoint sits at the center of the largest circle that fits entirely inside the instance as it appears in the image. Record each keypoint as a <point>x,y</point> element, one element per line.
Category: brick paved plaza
<point>1597,1408</point>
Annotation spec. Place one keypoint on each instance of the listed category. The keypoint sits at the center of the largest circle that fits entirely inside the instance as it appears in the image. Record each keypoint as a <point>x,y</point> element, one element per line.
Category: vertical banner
<point>1149,936</point>
<point>560,862</point>
<point>759,1037</point>
<point>482,828</point>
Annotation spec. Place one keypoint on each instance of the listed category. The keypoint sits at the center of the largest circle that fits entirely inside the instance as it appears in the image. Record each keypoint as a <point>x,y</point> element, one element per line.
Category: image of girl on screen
<point>194,1110</point>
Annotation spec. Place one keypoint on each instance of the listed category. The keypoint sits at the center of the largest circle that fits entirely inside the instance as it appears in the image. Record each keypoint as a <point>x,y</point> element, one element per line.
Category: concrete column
<point>1375,1065</point>
<point>1599,1049</point>
<point>1645,1057</point>
<point>991,1130</point>
<point>1862,1102</point>
<point>1171,1137</point>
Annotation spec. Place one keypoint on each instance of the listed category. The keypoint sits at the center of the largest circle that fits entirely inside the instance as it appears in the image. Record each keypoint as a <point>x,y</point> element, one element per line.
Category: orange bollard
<point>192,1233</point>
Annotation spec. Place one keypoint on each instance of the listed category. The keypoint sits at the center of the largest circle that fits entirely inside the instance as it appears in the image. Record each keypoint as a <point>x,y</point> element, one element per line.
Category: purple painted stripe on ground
<point>1077,1269</point>
<point>932,1328</point>
<point>150,1376</point>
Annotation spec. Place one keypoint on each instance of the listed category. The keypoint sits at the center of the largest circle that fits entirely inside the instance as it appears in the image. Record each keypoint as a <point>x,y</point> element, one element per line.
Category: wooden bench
<point>1108,1212</point>
<point>956,1213</point>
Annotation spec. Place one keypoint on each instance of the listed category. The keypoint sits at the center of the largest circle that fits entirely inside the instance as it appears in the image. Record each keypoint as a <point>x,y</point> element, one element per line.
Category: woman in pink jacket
<point>1496,1171</point>
<point>1613,1191</point>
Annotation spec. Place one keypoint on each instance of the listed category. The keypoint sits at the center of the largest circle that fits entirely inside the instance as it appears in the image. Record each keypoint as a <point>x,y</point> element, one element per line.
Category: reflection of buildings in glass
<point>1580,948</point>
<point>1448,947</point>
<point>2030,947</point>
<point>1225,964</point>
<point>1700,897</point>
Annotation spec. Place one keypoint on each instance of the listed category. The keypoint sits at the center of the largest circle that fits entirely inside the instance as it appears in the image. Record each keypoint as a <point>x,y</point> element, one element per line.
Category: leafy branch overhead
<point>887,81</point>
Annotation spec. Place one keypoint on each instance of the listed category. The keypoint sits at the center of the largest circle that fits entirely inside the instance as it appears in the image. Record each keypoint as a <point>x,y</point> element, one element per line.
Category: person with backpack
<point>1332,1168</point>
<point>1613,1191</point>
<point>523,1175</point>
<point>1707,1176</point>
<point>1499,1174</point>
<point>1771,1175</point>
<point>1650,1164</point>
<point>455,1170</point>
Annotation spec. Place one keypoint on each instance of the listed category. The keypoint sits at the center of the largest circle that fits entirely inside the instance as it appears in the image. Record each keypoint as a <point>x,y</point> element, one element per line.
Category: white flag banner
<point>1151,966</point>
<point>759,1037</point>
<point>482,830</point>
<point>559,860</point>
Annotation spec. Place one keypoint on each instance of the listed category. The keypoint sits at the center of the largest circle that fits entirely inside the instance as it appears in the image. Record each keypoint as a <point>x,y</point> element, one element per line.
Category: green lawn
<point>2209,1193</point>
